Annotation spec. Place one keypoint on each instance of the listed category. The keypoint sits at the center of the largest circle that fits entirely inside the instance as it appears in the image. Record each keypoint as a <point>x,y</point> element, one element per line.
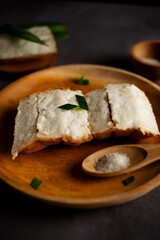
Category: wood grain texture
<point>59,167</point>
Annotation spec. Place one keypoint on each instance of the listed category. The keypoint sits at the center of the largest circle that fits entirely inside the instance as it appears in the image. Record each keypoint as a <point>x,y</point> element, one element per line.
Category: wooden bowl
<point>145,57</point>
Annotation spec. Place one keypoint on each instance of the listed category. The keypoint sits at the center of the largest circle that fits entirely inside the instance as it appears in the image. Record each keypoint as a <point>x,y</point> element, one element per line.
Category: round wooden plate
<point>59,167</point>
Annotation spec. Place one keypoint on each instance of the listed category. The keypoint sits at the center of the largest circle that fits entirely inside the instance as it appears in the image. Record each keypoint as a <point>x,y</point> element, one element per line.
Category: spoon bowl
<point>140,155</point>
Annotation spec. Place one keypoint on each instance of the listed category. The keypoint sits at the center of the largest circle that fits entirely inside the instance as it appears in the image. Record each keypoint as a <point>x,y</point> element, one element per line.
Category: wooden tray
<point>59,167</point>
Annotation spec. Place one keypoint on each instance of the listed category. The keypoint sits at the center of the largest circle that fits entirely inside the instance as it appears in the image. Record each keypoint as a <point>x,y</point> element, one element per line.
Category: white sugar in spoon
<point>140,155</point>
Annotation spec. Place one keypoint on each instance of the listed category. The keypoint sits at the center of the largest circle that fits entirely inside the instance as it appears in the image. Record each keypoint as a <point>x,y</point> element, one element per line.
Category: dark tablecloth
<point>100,33</point>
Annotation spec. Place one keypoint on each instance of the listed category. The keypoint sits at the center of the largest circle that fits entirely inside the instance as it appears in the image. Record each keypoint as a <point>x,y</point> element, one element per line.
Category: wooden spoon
<point>140,155</point>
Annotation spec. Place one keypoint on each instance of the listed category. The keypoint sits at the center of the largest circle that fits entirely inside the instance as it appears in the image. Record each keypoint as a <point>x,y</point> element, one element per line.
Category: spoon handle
<point>153,152</point>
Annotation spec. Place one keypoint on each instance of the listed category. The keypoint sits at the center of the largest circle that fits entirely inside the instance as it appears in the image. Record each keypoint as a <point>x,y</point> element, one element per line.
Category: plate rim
<point>144,79</point>
<point>106,201</point>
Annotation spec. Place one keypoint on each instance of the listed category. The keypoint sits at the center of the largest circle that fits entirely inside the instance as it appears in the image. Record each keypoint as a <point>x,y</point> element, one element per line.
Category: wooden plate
<point>59,167</point>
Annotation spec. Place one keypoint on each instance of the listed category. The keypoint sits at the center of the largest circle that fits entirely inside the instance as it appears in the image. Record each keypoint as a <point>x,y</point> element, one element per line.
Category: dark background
<point>100,33</point>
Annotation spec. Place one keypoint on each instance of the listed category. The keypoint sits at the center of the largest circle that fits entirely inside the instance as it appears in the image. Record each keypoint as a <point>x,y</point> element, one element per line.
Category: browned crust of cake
<point>103,134</point>
<point>136,133</point>
<point>41,143</point>
<point>71,141</point>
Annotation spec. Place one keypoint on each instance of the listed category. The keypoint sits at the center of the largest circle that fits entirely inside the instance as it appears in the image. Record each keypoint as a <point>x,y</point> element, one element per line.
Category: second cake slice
<point>131,111</point>
<point>99,114</point>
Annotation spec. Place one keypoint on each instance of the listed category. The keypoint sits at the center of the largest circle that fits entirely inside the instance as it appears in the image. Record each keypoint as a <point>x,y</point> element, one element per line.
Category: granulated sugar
<point>151,60</point>
<point>112,162</point>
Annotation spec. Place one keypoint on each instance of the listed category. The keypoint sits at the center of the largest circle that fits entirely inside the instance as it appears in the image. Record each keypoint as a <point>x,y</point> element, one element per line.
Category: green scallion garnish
<point>19,32</point>
<point>58,29</point>
<point>36,183</point>
<point>83,81</point>
<point>68,106</point>
<point>129,180</point>
<point>82,102</point>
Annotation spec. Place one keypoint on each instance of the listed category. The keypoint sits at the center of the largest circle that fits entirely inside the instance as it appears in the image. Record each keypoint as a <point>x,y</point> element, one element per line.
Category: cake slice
<point>131,111</point>
<point>56,124</point>
<point>40,122</point>
<point>19,55</point>
<point>99,114</point>
<point>25,131</point>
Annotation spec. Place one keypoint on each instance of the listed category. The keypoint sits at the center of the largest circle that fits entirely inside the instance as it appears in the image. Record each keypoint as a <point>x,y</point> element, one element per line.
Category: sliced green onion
<point>58,29</point>
<point>68,106</point>
<point>19,32</point>
<point>36,183</point>
<point>129,180</point>
<point>82,102</point>
<point>83,81</point>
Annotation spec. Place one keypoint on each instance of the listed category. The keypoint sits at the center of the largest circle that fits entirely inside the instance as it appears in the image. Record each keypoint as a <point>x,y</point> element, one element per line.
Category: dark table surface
<point>100,33</point>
